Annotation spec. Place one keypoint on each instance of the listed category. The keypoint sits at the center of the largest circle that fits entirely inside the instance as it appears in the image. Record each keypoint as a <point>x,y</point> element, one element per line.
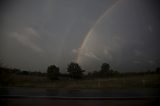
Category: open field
<point>132,81</point>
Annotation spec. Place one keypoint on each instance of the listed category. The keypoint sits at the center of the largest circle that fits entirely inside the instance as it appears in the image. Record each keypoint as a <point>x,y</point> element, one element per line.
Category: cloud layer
<point>27,37</point>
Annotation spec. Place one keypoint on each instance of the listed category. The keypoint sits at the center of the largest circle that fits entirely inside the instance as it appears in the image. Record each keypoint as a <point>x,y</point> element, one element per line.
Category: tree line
<point>74,71</point>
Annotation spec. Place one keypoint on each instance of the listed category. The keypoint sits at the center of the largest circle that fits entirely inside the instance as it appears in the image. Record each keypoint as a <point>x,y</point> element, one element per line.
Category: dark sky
<point>38,33</point>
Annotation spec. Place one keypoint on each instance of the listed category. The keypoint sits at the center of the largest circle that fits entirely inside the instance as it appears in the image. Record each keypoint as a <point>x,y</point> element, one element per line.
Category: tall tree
<point>75,70</point>
<point>53,72</point>
<point>158,70</point>
<point>105,70</point>
<point>105,67</point>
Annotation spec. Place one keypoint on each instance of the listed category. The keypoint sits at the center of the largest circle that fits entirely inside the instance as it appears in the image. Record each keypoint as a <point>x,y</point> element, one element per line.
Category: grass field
<point>134,81</point>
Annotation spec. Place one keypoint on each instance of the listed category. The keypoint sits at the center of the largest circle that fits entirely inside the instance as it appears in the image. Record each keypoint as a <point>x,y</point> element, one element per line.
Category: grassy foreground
<point>135,81</point>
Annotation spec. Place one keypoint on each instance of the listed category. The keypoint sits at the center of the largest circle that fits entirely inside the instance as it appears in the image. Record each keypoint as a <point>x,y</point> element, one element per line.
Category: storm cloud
<point>38,33</point>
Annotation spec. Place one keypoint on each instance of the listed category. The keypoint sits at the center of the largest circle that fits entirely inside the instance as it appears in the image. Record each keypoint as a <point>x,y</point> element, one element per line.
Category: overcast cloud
<point>38,33</point>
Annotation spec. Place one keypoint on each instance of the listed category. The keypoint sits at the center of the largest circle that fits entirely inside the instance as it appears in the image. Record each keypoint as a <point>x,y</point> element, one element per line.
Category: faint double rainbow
<point>93,28</point>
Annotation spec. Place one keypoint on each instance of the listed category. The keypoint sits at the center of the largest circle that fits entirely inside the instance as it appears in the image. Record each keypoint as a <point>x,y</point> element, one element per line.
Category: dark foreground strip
<point>78,98</point>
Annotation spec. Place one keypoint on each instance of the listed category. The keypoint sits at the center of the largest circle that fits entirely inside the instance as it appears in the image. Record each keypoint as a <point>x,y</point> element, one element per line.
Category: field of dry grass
<point>135,81</point>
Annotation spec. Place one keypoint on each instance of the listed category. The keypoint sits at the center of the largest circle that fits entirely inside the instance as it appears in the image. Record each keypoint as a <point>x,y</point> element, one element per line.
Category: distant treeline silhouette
<point>74,71</point>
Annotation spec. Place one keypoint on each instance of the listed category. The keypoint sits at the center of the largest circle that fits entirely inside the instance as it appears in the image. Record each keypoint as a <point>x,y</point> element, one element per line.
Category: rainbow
<point>92,29</point>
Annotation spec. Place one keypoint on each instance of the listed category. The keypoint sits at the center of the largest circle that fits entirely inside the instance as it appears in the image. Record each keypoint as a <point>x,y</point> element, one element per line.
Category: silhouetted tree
<point>25,72</point>
<point>158,70</point>
<point>105,70</point>
<point>105,67</point>
<point>53,72</point>
<point>16,71</point>
<point>75,71</point>
<point>5,76</point>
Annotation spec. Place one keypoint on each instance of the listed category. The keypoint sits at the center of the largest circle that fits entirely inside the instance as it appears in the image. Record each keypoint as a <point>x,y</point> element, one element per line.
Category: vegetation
<point>5,76</point>
<point>53,72</point>
<point>75,71</point>
<point>105,78</point>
